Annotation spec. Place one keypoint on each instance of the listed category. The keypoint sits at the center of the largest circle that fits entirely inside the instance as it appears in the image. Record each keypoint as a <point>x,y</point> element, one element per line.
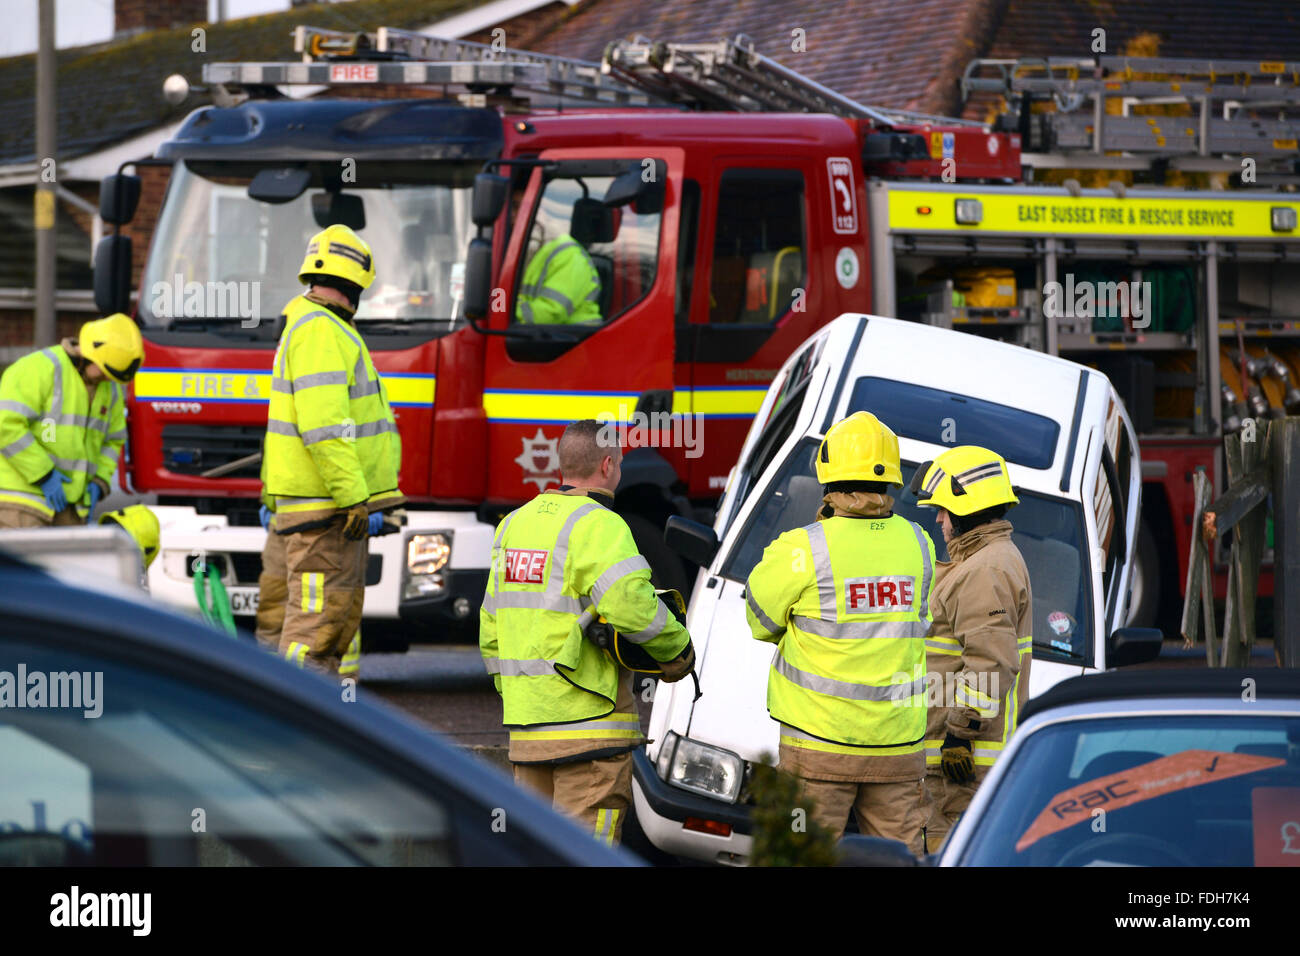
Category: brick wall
<point>137,15</point>
<point>153,184</point>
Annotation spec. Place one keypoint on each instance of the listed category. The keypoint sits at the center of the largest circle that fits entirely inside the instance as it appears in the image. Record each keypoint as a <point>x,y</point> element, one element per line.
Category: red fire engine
<point>729,207</point>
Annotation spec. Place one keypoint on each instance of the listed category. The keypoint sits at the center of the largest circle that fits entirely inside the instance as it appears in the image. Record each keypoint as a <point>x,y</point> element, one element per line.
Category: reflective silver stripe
<point>944,647</point>
<point>361,389</point>
<point>548,293</point>
<point>56,399</point>
<point>313,435</point>
<point>26,411</point>
<point>18,444</point>
<point>34,499</point>
<point>279,384</point>
<point>536,667</point>
<point>844,689</point>
<point>490,600</point>
<point>653,629</point>
<point>375,428</point>
<point>821,556</point>
<point>72,464</point>
<point>318,378</point>
<point>527,311</point>
<point>343,327</point>
<point>546,266</point>
<point>855,630</point>
<point>555,581</point>
<point>926,571</point>
<point>110,453</point>
<point>597,724</point>
<point>492,664</point>
<point>615,574</point>
<point>116,436</point>
<point>769,625</point>
<point>284,339</point>
<point>535,601</point>
<point>978,473</point>
<point>277,427</point>
<point>594,294</point>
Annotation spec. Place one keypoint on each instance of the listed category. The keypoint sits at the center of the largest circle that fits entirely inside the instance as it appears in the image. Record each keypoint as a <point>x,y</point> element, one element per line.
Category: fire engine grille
<point>191,449</point>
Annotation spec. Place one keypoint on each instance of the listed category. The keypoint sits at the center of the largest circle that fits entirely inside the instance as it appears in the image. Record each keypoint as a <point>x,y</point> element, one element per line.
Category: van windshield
<point>1048,531</point>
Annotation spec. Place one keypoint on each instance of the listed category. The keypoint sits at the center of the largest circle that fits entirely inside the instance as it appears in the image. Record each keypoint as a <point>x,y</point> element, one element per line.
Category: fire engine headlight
<point>701,768</point>
<point>426,556</point>
<point>969,212</point>
<point>1284,219</point>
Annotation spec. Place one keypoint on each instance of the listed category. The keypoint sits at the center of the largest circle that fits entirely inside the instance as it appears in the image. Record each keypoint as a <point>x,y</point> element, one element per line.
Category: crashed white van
<point>1073,458</point>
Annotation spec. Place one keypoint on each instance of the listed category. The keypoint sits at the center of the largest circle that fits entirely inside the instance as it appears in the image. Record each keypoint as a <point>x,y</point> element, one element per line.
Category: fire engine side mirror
<point>490,194</point>
<point>478,278</point>
<point>694,541</point>
<point>642,185</point>
<point>119,195</point>
<point>113,274</point>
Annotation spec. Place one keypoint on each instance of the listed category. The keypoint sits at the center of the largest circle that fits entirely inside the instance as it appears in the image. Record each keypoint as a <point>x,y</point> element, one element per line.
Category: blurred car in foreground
<point>1145,768</point>
<point>130,735</point>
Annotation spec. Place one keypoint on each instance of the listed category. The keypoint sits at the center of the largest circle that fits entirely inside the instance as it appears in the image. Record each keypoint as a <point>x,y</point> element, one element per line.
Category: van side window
<point>759,246</point>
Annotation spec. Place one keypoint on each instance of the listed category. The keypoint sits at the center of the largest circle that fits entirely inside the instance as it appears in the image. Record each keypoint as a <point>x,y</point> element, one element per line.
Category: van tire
<point>1145,610</point>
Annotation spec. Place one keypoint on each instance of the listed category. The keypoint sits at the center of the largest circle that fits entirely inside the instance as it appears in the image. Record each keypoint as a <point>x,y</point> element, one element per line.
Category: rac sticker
<point>1275,819</point>
<point>1180,771</point>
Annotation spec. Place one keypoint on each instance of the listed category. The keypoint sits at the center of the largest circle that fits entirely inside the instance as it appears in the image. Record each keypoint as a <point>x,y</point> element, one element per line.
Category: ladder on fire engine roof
<point>727,75</point>
<point>1228,99</point>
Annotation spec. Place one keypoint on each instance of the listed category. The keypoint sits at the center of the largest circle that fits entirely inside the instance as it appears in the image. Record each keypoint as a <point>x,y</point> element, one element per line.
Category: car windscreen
<point>1193,790</point>
<point>1048,531</point>
<point>937,417</point>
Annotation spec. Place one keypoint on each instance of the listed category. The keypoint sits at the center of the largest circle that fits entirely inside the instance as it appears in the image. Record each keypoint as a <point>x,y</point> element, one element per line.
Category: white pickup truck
<point>1072,454</point>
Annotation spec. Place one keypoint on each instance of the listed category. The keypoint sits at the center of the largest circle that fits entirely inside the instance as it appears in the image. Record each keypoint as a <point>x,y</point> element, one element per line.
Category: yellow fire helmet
<point>113,344</point>
<point>964,480</point>
<point>141,524</point>
<point>633,656</point>
<point>859,448</point>
<point>340,252</point>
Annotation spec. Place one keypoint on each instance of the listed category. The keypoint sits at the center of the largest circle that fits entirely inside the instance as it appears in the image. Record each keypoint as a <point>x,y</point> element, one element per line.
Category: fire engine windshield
<point>225,261</point>
<point>1048,531</point>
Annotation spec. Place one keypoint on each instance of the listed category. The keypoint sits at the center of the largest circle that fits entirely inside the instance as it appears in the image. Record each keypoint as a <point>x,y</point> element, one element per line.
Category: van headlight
<point>701,768</point>
<point>426,556</point>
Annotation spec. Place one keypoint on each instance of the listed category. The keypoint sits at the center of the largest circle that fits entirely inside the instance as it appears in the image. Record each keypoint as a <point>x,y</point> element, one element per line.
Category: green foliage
<point>785,833</point>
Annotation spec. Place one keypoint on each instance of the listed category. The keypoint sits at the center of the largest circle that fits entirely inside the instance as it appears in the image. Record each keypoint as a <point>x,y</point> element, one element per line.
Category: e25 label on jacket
<point>524,566</point>
<point>876,595</point>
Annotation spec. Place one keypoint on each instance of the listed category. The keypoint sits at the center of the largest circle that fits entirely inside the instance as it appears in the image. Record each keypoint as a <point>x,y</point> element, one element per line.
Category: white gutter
<point>488,15</point>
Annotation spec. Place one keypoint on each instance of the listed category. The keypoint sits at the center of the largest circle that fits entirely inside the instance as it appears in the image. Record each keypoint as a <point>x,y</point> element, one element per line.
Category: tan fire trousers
<point>324,592</point>
<point>895,810</point>
<point>13,518</point>
<point>944,804</point>
<point>596,793</point>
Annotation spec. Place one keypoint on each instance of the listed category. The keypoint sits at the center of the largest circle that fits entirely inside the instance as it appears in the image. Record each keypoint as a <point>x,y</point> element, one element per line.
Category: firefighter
<point>979,648</point>
<point>568,706</point>
<point>560,285</point>
<point>63,424</point>
<point>330,453</point>
<point>846,600</point>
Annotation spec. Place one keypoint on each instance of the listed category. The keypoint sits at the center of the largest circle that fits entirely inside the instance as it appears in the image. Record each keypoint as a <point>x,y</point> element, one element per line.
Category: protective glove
<point>356,523</point>
<point>376,522</point>
<point>94,491</point>
<point>677,668</point>
<point>956,761</point>
<point>264,516</point>
<point>52,488</point>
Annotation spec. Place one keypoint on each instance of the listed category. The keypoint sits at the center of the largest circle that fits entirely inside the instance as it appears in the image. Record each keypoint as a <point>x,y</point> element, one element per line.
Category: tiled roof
<point>881,52</point>
<point>112,91</point>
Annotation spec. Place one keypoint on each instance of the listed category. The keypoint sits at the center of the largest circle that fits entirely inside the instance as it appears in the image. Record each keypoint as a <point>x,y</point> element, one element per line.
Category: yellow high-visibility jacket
<point>331,437</point>
<point>560,285</point>
<point>48,421</point>
<point>553,558</point>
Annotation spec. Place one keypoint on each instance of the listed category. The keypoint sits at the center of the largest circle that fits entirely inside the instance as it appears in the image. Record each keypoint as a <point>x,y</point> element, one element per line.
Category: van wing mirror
<point>1133,645</point>
<point>119,195</point>
<point>694,541</point>
<point>113,274</point>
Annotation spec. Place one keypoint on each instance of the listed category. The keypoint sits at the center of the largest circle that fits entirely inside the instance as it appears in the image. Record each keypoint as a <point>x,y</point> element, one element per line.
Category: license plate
<point>243,601</point>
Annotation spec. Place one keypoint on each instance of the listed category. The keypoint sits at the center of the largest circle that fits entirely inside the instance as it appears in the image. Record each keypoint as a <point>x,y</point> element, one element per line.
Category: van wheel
<point>1144,605</point>
<point>666,569</point>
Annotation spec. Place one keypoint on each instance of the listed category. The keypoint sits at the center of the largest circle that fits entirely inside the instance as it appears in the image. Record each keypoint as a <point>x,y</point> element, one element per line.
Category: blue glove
<point>52,488</point>
<point>376,522</point>
<point>264,516</point>
<point>94,492</point>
